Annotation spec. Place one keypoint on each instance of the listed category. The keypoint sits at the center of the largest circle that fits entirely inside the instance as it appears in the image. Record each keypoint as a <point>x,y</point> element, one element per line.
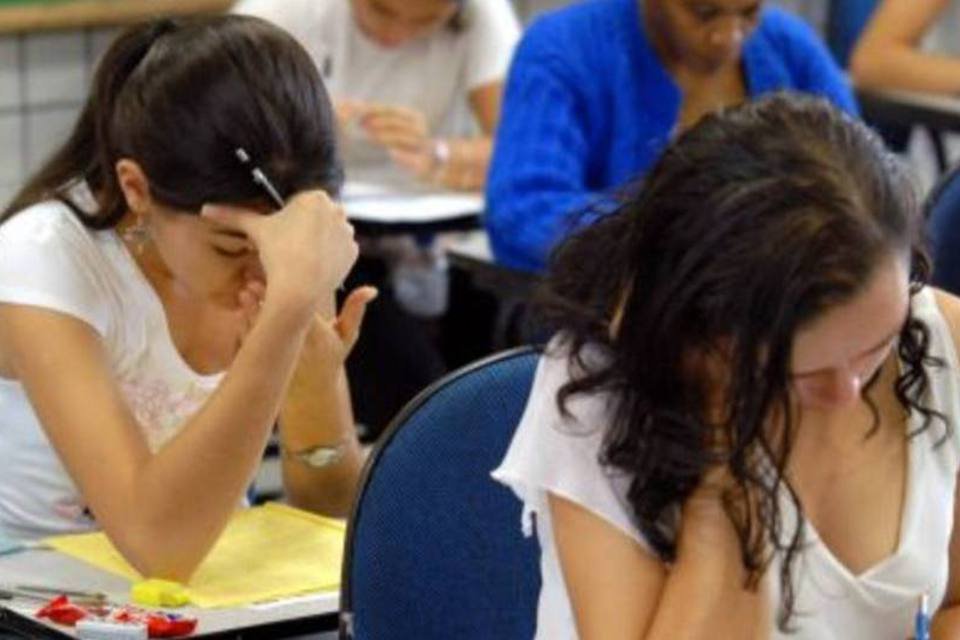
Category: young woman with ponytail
<point>158,314</point>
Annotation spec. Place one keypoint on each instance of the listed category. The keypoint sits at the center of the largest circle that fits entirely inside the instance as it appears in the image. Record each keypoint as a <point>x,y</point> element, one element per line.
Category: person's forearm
<point>897,66</point>
<point>946,624</point>
<point>316,412</point>
<point>183,495</point>
<point>705,599</point>
<point>466,166</point>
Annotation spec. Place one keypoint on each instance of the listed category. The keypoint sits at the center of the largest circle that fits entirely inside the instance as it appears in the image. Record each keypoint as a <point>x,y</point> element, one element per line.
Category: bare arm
<point>317,411</point>
<point>406,136</point>
<point>469,157</point>
<point>619,591</point>
<point>485,101</point>
<point>164,511</point>
<point>946,622</point>
<point>888,56</point>
<point>139,498</point>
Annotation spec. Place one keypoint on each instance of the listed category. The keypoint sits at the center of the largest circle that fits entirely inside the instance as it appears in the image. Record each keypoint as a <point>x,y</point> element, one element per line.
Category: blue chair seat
<point>434,548</point>
<point>943,227</point>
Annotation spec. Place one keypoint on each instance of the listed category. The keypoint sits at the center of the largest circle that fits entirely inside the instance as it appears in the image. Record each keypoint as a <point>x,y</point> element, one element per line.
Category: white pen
<point>260,178</point>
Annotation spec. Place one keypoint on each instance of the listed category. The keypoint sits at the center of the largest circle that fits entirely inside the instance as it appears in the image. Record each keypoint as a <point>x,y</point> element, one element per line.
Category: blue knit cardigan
<point>589,106</point>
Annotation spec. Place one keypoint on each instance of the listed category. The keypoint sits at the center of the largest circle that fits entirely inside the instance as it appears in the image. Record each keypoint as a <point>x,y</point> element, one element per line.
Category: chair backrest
<point>943,227</point>
<point>434,548</point>
<point>846,20</point>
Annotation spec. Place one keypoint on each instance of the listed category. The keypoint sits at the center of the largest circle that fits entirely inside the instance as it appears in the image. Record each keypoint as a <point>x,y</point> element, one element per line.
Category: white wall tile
<point>46,130</point>
<point>11,162</point>
<point>56,67</point>
<point>6,194</point>
<point>9,72</point>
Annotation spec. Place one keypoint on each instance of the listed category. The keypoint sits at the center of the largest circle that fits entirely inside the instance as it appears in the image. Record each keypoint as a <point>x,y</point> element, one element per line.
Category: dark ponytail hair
<point>179,97</point>
<point>752,224</point>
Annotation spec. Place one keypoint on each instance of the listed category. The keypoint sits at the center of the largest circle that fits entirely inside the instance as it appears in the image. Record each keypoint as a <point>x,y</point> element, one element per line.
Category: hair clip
<point>260,178</point>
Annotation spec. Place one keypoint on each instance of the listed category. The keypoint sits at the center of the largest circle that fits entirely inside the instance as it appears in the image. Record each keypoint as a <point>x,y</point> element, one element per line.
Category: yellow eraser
<point>160,593</point>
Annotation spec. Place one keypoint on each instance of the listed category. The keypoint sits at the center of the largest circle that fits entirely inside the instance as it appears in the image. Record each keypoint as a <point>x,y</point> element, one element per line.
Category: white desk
<point>283,619</point>
<point>386,209</point>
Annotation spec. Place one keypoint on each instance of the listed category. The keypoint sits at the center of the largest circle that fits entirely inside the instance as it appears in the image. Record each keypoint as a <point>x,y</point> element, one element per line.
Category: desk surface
<point>279,619</point>
<point>938,112</point>
<point>374,208</point>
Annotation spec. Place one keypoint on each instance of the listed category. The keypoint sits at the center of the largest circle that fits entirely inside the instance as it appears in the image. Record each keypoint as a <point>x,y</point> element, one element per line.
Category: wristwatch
<point>318,456</point>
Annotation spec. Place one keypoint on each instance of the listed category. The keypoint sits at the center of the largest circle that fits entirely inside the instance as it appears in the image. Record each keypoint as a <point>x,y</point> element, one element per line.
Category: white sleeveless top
<point>550,453</point>
<point>48,259</point>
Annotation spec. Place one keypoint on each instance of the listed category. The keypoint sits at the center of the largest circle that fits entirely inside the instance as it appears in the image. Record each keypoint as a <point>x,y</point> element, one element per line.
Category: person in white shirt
<point>746,426</point>
<point>158,313</point>
<point>910,45</point>
<point>408,78</point>
<point>417,86</point>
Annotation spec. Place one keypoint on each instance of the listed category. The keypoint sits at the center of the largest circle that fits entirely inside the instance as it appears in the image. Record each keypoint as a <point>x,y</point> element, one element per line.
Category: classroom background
<point>47,59</point>
<point>46,63</point>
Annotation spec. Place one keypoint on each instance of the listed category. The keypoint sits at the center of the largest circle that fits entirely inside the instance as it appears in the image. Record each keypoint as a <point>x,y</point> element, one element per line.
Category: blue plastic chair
<point>434,548</point>
<point>846,20</point>
<point>943,228</point>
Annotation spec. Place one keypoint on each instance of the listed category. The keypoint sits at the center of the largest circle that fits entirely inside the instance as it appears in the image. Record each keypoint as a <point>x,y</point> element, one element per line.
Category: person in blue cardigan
<point>597,90</point>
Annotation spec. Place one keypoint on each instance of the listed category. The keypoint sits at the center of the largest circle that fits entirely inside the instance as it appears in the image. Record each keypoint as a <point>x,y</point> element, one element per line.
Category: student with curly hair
<point>746,425</point>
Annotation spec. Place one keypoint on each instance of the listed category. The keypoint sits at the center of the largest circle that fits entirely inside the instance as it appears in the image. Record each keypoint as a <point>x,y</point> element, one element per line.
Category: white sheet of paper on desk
<point>360,190</point>
<point>366,202</point>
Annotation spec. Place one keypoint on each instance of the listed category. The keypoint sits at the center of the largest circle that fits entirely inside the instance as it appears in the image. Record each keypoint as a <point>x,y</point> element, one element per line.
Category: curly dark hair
<point>752,224</point>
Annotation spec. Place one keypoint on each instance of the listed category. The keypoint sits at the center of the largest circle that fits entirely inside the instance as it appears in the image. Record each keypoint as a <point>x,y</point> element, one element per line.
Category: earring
<point>137,235</point>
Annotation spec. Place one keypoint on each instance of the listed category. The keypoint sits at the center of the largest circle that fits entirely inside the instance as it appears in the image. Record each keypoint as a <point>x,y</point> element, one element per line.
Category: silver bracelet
<point>441,153</point>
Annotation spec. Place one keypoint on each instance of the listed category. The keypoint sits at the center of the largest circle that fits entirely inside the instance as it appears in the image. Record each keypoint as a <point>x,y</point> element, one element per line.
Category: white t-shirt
<point>433,74</point>
<point>553,454</point>
<point>48,259</point>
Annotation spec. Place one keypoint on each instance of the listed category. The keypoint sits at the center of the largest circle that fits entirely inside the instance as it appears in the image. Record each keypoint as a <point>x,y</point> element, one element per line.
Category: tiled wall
<point>43,81</point>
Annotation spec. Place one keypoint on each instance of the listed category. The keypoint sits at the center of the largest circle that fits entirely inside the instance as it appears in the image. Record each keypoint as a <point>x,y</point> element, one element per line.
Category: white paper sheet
<point>366,202</point>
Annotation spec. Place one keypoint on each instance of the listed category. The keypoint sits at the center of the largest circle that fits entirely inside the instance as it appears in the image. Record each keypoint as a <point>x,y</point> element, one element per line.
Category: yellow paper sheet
<point>265,553</point>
